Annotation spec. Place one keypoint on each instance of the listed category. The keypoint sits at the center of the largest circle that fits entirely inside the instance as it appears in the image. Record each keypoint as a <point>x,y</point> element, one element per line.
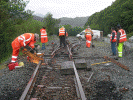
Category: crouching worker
<point>27,41</point>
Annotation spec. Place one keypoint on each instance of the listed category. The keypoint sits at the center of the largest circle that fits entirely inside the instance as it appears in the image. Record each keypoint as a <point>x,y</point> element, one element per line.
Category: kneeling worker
<point>26,40</point>
<point>88,36</point>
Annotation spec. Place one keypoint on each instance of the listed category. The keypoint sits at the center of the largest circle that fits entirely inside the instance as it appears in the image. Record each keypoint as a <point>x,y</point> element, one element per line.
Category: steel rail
<point>70,54</point>
<point>117,63</point>
<point>30,83</point>
<point>79,85</point>
<point>55,51</point>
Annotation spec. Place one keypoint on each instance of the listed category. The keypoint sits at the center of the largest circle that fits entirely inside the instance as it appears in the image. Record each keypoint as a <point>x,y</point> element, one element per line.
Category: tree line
<point>52,26</point>
<point>120,12</point>
<point>13,22</point>
<point>16,21</point>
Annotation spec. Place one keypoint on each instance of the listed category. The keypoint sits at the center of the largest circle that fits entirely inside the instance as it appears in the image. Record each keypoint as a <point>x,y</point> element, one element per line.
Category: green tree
<point>12,13</point>
<point>120,12</point>
<point>51,24</point>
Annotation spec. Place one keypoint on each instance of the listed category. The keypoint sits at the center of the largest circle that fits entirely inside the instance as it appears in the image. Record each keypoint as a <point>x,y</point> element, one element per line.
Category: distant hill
<point>38,18</point>
<point>78,21</point>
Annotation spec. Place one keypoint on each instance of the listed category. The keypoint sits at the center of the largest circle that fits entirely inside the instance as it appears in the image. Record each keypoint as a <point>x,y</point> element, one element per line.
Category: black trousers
<point>62,40</point>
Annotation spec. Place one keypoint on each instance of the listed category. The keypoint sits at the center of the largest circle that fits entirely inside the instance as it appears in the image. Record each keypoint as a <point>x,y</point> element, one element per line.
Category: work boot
<point>117,58</point>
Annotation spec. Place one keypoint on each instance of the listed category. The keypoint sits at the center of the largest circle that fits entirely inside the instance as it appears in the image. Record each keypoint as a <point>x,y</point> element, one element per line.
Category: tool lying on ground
<point>32,57</point>
<point>100,63</point>
<point>117,63</point>
<point>21,64</point>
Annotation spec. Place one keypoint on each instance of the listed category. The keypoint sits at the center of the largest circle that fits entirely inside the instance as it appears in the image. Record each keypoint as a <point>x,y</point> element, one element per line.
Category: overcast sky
<point>67,8</point>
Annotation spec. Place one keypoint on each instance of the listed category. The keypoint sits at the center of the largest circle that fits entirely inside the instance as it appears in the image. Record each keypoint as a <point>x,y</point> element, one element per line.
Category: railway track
<point>47,82</point>
<point>53,85</point>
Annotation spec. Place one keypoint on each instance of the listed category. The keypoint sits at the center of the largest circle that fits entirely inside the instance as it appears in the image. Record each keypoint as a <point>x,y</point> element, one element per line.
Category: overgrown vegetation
<point>14,22</point>
<point>120,12</point>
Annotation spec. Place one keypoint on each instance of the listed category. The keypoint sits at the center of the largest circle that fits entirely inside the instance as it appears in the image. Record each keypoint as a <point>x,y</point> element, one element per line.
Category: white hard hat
<point>36,37</point>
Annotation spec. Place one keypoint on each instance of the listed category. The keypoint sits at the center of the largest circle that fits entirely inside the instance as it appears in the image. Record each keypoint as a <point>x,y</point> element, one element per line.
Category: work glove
<point>12,65</point>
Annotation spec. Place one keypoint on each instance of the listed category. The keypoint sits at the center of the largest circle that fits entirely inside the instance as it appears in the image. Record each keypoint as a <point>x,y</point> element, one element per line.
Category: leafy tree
<point>120,12</point>
<point>72,31</point>
<point>12,13</point>
<point>51,24</point>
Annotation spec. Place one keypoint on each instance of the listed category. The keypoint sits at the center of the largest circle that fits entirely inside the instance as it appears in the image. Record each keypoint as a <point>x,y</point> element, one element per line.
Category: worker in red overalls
<point>44,37</point>
<point>88,36</point>
<point>26,40</point>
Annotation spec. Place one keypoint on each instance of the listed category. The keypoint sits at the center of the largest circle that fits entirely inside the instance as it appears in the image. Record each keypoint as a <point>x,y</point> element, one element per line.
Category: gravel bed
<point>12,83</point>
<point>109,80</point>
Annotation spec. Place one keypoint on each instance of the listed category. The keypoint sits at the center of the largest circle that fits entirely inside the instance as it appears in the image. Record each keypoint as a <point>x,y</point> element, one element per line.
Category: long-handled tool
<point>92,43</point>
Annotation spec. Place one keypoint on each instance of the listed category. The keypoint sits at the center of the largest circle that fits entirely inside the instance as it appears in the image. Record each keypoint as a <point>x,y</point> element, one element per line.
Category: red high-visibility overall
<point>88,37</point>
<point>88,40</point>
<point>22,41</point>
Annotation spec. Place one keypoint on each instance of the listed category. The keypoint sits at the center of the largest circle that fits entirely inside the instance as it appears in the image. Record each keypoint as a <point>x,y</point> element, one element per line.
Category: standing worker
<point>113,41</point>
<point>62,35</point>
<point>44,37</point>
<point>88,36</point>
<point>26,40</point>
<point>121,38</point>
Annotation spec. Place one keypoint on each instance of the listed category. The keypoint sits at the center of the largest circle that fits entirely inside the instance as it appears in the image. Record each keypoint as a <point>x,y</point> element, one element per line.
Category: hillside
<point>78,21</point>
<point>120,12</point>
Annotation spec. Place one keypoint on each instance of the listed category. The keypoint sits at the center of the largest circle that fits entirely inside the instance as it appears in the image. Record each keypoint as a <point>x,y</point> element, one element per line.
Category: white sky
<point>68,8</point>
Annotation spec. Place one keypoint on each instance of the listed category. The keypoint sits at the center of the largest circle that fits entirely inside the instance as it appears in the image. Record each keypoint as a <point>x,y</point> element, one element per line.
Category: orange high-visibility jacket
<point>44,37</point>
<point>62,32</point>
<point>123,37</point>
<point>88,31</point>
<point>23,40</point>
<point>114,40</point>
